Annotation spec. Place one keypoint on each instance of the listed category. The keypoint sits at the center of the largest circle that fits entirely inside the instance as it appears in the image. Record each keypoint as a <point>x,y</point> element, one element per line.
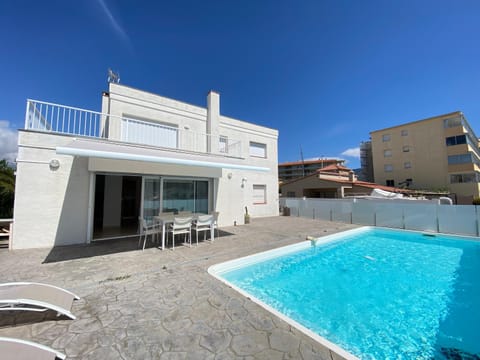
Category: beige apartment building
<point>437,153</point>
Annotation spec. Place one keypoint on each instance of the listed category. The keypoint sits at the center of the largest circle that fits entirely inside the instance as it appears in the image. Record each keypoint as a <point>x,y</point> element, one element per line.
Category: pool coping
<point>218,269</point>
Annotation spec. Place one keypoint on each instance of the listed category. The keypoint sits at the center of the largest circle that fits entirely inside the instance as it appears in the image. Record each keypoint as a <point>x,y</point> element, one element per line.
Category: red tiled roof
<point>345,180</point>
<point>300,178</point>
<point>334,167</point>
<point>368,185</point>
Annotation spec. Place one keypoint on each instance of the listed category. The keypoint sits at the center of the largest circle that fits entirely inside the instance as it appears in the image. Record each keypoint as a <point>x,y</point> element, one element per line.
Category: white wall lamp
<point>54,164</point>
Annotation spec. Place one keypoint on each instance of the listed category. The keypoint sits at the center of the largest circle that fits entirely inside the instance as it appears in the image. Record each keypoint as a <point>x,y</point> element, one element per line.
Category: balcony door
<point>149,133</point>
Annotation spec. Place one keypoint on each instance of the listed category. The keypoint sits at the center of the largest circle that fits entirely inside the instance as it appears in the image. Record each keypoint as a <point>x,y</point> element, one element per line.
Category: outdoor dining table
<point>167,218</point>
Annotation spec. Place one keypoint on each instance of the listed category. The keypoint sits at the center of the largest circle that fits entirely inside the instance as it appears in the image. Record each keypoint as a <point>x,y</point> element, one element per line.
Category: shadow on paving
<point>105,247</point>
<point>12,318</point>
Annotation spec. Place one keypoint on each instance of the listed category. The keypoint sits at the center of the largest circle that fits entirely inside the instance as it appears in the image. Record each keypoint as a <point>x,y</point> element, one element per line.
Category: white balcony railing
<point>54,118</point>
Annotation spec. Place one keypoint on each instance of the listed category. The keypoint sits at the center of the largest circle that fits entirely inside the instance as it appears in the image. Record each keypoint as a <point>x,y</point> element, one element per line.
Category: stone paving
<point>157,304</point>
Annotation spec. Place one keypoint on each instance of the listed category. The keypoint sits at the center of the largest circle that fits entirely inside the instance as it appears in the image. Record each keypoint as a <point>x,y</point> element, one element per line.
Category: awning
<point>118,151</point>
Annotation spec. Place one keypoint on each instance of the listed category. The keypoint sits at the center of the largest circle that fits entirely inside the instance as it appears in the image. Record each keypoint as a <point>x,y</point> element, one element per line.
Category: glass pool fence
<point>408,215</point>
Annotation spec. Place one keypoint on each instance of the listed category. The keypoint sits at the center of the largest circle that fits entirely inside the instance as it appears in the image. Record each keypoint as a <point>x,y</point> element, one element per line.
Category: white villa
<point>84,176</point>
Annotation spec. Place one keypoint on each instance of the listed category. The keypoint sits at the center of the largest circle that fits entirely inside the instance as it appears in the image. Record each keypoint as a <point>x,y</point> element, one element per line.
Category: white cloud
<point>353,152</point>
<point>113,22</point>
<point>8,141</point>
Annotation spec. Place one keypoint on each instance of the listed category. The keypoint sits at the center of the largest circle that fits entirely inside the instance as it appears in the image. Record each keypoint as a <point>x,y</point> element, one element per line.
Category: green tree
<point>7,189</point>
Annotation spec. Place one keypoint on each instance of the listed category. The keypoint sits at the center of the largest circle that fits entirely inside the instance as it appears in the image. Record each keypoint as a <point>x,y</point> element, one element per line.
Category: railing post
<point>39,117</point>
<point>313,213</point>
<point>26,114</point>
<point>46,118</point>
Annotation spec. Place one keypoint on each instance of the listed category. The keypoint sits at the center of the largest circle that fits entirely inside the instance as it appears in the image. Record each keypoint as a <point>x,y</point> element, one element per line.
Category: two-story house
<point>84,175</point>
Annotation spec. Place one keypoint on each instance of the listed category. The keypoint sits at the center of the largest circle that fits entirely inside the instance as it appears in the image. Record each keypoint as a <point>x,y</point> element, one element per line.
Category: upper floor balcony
<point>54,118</point>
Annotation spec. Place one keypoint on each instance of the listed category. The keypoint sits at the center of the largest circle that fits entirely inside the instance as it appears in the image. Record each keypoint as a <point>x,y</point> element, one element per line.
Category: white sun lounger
<point>16,349</point>
<point>29,296</point>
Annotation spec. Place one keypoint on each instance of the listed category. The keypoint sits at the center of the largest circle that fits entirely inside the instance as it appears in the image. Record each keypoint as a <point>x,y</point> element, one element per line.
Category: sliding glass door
<point>201,197</point>
<point>185,195</point>
<point>151,197</point>
<point>121,199</point>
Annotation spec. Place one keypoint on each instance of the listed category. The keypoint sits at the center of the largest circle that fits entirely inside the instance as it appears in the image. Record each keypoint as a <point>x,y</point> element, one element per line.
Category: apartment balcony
<point>59,119</point>
<point>467,167</point>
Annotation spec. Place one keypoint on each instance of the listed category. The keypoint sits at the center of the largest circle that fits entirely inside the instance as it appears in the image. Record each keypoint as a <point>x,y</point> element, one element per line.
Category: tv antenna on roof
<point>113,77</point>
<point>303,161</point>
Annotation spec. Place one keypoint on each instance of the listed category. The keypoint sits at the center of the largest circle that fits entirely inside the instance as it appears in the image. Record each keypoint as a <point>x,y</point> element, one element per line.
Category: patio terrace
<point>161,304</point>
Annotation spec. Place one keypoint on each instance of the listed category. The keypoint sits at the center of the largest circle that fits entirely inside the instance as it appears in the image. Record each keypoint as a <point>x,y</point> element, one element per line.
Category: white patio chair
<point>16,349</point>
<point>181,225</point>
<point>215,223</point>
<point>28,296</point>
<point>203,223</point>
<point>146,230</point>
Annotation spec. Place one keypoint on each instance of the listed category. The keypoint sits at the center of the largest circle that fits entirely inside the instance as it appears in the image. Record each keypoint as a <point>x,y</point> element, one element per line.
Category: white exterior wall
<point>231,197</point>
<point>132,103</point>
<point>50,205</point>
<point>246,132</point>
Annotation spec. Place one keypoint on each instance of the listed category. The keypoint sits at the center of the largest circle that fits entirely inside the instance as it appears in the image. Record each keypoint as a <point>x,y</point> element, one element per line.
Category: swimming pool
<point>376,293</point>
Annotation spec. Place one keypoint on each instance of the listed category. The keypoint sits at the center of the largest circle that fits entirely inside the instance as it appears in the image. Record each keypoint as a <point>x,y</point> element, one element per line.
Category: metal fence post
<point>476,220</point>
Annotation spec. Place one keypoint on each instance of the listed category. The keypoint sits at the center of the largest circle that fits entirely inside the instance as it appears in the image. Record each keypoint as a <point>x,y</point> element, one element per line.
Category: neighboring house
<point>297,169</point>
<point>84,175</point>
<point>334,181</point>
<point>438,153</point>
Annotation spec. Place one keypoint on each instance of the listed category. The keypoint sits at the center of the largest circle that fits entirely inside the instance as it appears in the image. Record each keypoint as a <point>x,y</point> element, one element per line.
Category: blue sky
<point>324,73</point>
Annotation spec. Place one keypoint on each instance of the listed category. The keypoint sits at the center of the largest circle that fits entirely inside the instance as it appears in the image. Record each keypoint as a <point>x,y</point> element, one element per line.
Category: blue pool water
<point>379,294</point>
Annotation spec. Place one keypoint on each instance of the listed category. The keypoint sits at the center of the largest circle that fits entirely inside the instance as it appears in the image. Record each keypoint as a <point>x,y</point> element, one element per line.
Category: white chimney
<point>351,176</point>
<point>213,120</point>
